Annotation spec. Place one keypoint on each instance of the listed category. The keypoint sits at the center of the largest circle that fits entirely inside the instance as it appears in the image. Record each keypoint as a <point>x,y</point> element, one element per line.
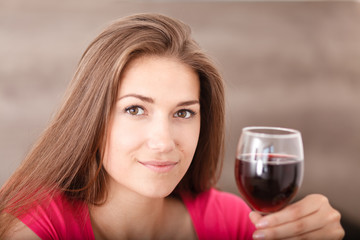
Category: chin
<point>161,192</point>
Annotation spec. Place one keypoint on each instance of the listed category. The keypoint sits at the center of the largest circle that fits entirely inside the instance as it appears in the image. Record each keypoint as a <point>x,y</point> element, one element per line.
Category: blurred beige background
<point>288,64</point>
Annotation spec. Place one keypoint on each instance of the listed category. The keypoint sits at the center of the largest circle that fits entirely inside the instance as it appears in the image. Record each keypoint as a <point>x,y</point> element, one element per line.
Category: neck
<point>128,215</point>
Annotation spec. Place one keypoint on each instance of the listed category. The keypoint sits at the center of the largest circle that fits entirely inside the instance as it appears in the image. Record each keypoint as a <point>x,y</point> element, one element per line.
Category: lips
<point>159,166</point>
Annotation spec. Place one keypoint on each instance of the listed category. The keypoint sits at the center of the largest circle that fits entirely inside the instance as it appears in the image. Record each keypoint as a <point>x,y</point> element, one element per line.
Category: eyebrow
<point>150,100</point>
<point>141,97</point>
<point>188,103</point>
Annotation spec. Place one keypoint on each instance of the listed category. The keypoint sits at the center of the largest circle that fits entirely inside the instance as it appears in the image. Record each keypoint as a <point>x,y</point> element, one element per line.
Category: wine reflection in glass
<point>269,167</point>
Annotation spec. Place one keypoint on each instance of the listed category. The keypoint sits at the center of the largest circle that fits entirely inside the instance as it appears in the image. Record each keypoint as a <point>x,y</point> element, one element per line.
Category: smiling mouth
<point>159,166</point>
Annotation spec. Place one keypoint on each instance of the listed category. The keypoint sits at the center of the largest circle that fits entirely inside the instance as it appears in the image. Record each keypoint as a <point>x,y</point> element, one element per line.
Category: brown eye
<point>135,110</point>
<point>184,113</point>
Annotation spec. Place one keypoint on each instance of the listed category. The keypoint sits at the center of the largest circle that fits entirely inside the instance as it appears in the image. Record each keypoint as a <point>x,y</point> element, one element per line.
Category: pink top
<point>60,219</point>
<point>219,215</point>
<point>215,215</point>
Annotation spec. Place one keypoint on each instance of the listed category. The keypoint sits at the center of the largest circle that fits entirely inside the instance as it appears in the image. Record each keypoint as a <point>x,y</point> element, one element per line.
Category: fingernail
<point>258,235</point>
<point>261,224</point>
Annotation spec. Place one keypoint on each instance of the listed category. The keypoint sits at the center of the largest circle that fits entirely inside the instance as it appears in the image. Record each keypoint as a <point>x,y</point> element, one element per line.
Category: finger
<point>254,217</point>
<point>324,222</point>
<point>295,228</point>
<point>293,212</point>
<point>332,232</point>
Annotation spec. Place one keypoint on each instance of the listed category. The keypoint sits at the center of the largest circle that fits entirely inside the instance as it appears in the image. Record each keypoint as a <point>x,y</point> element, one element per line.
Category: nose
<point>160,138</point>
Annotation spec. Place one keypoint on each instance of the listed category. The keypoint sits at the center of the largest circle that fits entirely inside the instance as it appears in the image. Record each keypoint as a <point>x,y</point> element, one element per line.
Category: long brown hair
<point>67,157</point>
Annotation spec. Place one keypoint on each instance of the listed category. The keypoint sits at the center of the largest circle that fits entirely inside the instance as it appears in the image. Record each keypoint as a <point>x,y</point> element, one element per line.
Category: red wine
<point>268,182</point>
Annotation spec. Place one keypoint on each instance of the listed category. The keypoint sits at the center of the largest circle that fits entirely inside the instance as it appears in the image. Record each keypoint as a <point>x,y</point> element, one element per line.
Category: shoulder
<point>58,218</point>
<point>220,213</point>
<point>20,231</point>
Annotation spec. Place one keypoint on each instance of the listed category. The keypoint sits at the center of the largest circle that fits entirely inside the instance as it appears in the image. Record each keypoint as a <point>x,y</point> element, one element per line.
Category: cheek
<point>121,142</point>
<point>124,136</point>
<point>189,140</point>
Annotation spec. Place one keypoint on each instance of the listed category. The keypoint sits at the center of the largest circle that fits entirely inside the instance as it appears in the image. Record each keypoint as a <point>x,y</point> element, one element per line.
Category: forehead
<point>157,75</point>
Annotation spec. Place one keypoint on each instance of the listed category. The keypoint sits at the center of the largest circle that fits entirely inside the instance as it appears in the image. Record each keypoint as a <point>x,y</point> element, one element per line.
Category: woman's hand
<point>310,218</point>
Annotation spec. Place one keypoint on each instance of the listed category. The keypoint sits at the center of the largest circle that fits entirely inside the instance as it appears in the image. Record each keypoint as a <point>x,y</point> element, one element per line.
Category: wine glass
<point>269,167</point>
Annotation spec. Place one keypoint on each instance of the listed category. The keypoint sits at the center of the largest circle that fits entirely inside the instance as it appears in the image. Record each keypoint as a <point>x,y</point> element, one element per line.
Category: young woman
<point>135,150</point>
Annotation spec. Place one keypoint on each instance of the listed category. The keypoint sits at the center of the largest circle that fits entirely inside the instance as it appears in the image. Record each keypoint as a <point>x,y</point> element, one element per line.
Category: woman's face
<point>154,127</point>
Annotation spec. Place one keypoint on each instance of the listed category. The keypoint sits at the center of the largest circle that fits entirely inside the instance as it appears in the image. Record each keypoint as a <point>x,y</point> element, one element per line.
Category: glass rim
<point>284,132</point>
